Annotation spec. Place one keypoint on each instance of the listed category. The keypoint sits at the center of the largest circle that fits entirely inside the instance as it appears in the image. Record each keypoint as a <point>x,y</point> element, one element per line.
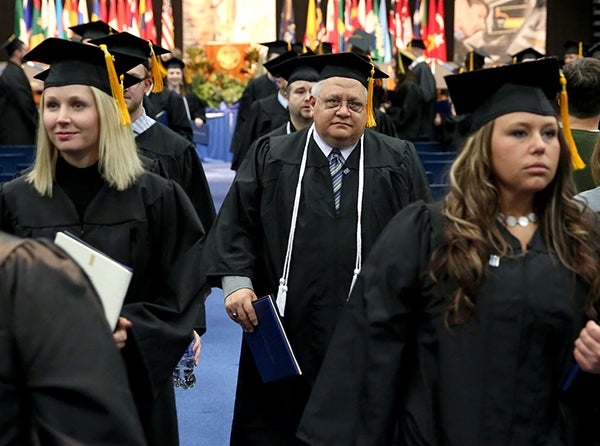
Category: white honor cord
<point>282,290</point>
<point>359,204</point>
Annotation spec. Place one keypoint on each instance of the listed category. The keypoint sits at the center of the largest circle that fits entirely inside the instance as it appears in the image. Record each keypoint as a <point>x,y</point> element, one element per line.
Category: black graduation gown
<point>197,107</point>
<point>63,380</point>
<point>384,123</point>
<point>249,239</point>
<point>493,381</point>
<point>265,115</point>
<point>427,84</point>
<point>406,109</point>
<point>18,113</point>
<point>257,88</point>
<point>152,228</point>
<point>180,160</point>
<point>172,104</point>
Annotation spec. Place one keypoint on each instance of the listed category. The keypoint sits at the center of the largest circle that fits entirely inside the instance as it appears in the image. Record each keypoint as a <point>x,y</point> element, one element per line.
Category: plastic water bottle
<point>183,375</point>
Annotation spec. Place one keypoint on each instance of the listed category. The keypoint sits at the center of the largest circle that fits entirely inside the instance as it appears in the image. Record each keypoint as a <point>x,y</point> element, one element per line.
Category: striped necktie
<point>336,162</point>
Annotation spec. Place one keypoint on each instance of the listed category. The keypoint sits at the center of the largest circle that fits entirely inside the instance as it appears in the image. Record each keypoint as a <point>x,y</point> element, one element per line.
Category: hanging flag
<point>310,35</point>
<point>74,13</point>
<point>122,15</point>
<point>386,53</point>
<point>321,29</point>
<point>417,16</point>
<point>150,27</point>
<point>405,29</point>
<point>134,27</point>
<point>51,25</point>
<point>354,16</point>
<point>361,15</point>
<point>350,11</point>
<point>103,11</point>
<point>112,14</point>
<point>95,11</point>
<point>66,18</point>
<point>287,24</point>
<point>60,26</point>
<point>331,25</point>
<point>168,28</point>
<point>37,32</point>
<point>20,25</point>
<point>370,17</point>
<point>82,12</point>
<point>27,6</point>
<point>377,51</point>
<point>393,24</point>
<point>436,37</point>
<point>341,28</point>
<point>44,17</point>
<point>142,12</point>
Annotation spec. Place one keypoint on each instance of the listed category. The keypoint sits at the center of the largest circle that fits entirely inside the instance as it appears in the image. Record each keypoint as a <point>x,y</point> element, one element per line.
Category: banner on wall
<point>501,27</point>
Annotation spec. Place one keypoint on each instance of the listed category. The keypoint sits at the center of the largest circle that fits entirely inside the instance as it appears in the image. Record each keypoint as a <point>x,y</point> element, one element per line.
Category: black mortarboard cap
<point>417,43</point>
<point>174,62</point>
<point>324,48</point>
<point>76,63</point>
<point>126,43</point>
<point>576,47</point>
<point>489,93</point>
<point>271,64</point>
<point>93,30</point>
<point>277,47</point>
<point>11,44</point>
<point>526,54</point>
<point>348,65</point>
<point>361,40</point>
<point>295,69</point>
<point>475,59</point>
<point>405,58</point>
<point>594,50</point>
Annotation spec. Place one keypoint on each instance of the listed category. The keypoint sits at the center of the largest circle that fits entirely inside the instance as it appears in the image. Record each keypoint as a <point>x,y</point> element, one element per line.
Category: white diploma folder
<point>109,277</point>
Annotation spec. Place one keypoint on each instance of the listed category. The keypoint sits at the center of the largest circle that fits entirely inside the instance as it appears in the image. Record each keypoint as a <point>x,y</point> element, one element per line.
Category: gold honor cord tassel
<point>115,86</point>
<point>157,71</point>
<point>578,163</point>
<point>370,114</point>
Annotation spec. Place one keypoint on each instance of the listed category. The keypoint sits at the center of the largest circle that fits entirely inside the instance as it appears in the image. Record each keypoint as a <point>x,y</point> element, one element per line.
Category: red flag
<point>405,26</point>
<point>150,23</point>
<point>168,28</point>
<point>121,15</point>
<point>435,39</point>
<point>103,11</point>
<point>112,15</point>
<point>321,29</point>
<point>370,17</point>
<point>350,10</point>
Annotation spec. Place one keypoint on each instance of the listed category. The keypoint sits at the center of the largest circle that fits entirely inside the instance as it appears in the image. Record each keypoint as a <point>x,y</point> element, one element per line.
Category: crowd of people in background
<point>468,319</point>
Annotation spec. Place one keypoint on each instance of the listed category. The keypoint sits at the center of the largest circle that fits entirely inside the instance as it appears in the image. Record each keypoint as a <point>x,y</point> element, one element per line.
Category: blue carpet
<point>205,411</point>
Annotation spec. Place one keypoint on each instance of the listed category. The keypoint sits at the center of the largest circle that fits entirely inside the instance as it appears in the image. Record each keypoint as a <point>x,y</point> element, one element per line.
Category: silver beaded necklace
<point>512,221</point>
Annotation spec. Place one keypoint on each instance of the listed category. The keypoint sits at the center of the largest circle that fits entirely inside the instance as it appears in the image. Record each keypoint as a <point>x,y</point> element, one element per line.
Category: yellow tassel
<point>115,86</point>
<point>514,60</point>
<point>289,46</point>
<point>580,50</point>
<point>320,48</point>
<point>158,71</point>
<point>370,114</point>
<point>578,163</point>
<point>471,61</point>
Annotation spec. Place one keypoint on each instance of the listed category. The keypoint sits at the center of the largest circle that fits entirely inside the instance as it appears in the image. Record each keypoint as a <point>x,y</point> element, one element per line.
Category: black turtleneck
<point>80,184</point>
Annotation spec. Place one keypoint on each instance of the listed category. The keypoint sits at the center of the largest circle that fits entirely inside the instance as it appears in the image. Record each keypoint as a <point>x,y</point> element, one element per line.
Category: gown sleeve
<point>234,241</point>
<point>357,392</point>
<point>57,347</point>
<point>163,318</point>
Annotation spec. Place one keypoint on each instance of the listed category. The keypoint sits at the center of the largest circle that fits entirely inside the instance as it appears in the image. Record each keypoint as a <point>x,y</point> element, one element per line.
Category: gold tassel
<point>289,46</point>
<point>580,50</point>
<point>471,61</point>
<point>578,163</point>
<point>370,114</point>
<point>115,86</point>
<point>158,71</point>
<point>515,59</point>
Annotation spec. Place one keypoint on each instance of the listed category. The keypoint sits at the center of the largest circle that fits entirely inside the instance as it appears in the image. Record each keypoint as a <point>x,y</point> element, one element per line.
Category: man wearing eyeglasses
<point>303,211</point>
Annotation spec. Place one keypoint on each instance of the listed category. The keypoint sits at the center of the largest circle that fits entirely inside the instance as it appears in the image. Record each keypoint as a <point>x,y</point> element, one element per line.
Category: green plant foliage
<point>213,86</point>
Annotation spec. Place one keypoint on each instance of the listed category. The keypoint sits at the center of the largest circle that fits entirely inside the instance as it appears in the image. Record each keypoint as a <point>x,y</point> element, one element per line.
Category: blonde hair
<point>118,160</point>
<point>471,233</point>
